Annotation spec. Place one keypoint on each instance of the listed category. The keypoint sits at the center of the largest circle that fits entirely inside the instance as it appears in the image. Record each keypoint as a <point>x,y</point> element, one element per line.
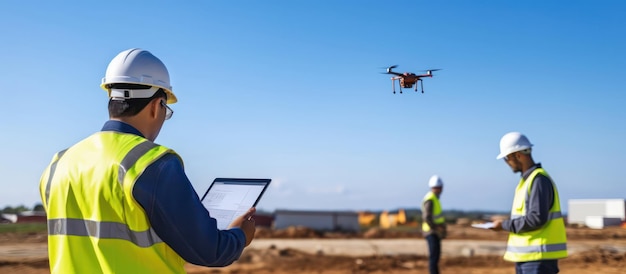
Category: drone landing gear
<point>393,87</point>
<point>421,85</point>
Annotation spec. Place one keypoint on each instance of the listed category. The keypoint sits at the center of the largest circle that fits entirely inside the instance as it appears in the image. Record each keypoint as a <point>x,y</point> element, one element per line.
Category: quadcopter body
<point>408,79</point>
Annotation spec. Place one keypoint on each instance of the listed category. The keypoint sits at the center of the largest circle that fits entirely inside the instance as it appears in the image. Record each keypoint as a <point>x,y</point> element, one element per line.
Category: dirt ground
<point>592,251</point>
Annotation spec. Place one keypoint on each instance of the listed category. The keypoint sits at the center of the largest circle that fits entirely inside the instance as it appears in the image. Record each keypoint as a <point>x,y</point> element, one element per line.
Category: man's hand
<point>497,225</point>
<point>246,223</point>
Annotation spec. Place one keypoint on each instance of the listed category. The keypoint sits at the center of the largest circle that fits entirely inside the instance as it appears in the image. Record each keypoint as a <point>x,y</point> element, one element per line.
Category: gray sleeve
<point>427,213</point>
<point>537,205</point>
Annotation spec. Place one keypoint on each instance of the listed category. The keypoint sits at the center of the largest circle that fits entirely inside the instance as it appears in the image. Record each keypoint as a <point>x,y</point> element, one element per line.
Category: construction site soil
<point>301,250</point>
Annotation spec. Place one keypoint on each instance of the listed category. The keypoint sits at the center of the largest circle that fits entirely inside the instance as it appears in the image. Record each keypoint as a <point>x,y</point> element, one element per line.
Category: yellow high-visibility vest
<point>95,225</point>
<point>546,243</point>
<point>437,216</point>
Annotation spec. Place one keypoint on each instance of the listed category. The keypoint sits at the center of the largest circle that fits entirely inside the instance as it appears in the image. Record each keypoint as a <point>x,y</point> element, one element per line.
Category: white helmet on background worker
<point>137,66</point>
<point>513,142</point>
<point>435,181</point>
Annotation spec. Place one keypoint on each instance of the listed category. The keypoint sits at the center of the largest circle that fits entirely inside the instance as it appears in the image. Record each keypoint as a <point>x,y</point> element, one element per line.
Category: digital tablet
<point>488,225</point>
<point>229,198</point>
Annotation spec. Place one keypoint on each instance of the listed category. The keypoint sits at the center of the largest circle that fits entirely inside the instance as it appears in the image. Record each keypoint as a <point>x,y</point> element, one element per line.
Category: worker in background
<point>433,222</point>
<point>536,228</point>
<point>117,202</point>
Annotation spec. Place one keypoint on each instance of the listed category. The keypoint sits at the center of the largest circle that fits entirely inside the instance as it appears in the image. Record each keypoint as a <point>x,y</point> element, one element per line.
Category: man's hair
<point>120,107</point>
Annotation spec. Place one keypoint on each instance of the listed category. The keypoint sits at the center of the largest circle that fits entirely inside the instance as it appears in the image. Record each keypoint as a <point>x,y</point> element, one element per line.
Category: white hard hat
<point>513,142</point>
<point>435,181</point>
<point>137,66</point>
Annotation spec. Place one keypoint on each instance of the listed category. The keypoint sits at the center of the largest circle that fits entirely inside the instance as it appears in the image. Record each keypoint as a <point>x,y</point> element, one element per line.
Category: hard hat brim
<point>171,98</point>
<point>504,154</point>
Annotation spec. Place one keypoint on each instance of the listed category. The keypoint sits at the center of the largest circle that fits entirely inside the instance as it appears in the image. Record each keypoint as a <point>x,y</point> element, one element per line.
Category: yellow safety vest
<point>437,216</point>
<point>95,225</point>
<point>546,243</point>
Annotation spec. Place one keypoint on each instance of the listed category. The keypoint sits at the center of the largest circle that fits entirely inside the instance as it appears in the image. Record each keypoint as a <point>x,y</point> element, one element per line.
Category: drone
<point>408,79</point>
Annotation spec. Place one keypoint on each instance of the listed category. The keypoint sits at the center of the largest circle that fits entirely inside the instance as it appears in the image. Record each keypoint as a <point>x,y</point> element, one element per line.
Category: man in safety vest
<point>433,222</point>
<point>536,229</point>
<point>117,202</point>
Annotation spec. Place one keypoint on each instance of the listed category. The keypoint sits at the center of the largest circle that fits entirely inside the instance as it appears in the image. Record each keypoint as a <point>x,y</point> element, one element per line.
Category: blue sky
<point>292,90</point>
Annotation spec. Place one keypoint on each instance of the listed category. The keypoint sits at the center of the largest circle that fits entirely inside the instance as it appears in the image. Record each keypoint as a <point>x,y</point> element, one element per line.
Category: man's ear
<point>155,107</point>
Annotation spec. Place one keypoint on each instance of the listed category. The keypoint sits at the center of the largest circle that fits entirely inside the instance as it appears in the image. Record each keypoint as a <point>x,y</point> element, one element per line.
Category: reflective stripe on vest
<point>532,249</point>
<point>545,243</point>
<point>102,230</point>
<point>131,158</point>
<point>53,168</point>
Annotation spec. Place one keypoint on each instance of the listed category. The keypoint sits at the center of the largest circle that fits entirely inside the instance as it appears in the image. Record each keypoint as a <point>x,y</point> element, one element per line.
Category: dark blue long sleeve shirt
<point>176,213</point>
<point>537,205</point>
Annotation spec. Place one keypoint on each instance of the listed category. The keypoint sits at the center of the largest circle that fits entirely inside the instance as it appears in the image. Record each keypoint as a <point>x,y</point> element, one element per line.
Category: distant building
<point>6,218</point>
<point>596,213</point>
<point>263,219</point>
<point>383,220</point>
<point>389,219</point>
<point>24,217</point>
<point>317,220</point>
<point>366,218</point>
<point>32,217</point>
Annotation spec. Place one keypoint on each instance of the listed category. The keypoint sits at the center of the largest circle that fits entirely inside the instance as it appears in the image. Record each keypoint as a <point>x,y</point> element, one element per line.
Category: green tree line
<point>21,208</point>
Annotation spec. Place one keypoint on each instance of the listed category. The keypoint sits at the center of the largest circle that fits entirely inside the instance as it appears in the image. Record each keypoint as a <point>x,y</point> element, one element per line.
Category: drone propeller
<point>390,68</point>
<point>430,71</point>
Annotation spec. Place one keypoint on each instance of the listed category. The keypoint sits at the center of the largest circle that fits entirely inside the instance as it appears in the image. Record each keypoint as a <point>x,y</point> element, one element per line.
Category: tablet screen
<point>229,198</point>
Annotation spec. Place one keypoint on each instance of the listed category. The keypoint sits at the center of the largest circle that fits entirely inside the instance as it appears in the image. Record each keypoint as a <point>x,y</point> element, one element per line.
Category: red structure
<point>263,220</point>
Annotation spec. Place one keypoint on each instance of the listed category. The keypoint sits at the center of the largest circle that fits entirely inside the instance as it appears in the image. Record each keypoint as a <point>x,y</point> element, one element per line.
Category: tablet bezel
<point>240,180</point>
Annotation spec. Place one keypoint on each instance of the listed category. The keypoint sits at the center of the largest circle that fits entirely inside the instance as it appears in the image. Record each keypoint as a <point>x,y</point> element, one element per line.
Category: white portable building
<point>317,220</point>
<point>579,211</point>
<point>599,222</point>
